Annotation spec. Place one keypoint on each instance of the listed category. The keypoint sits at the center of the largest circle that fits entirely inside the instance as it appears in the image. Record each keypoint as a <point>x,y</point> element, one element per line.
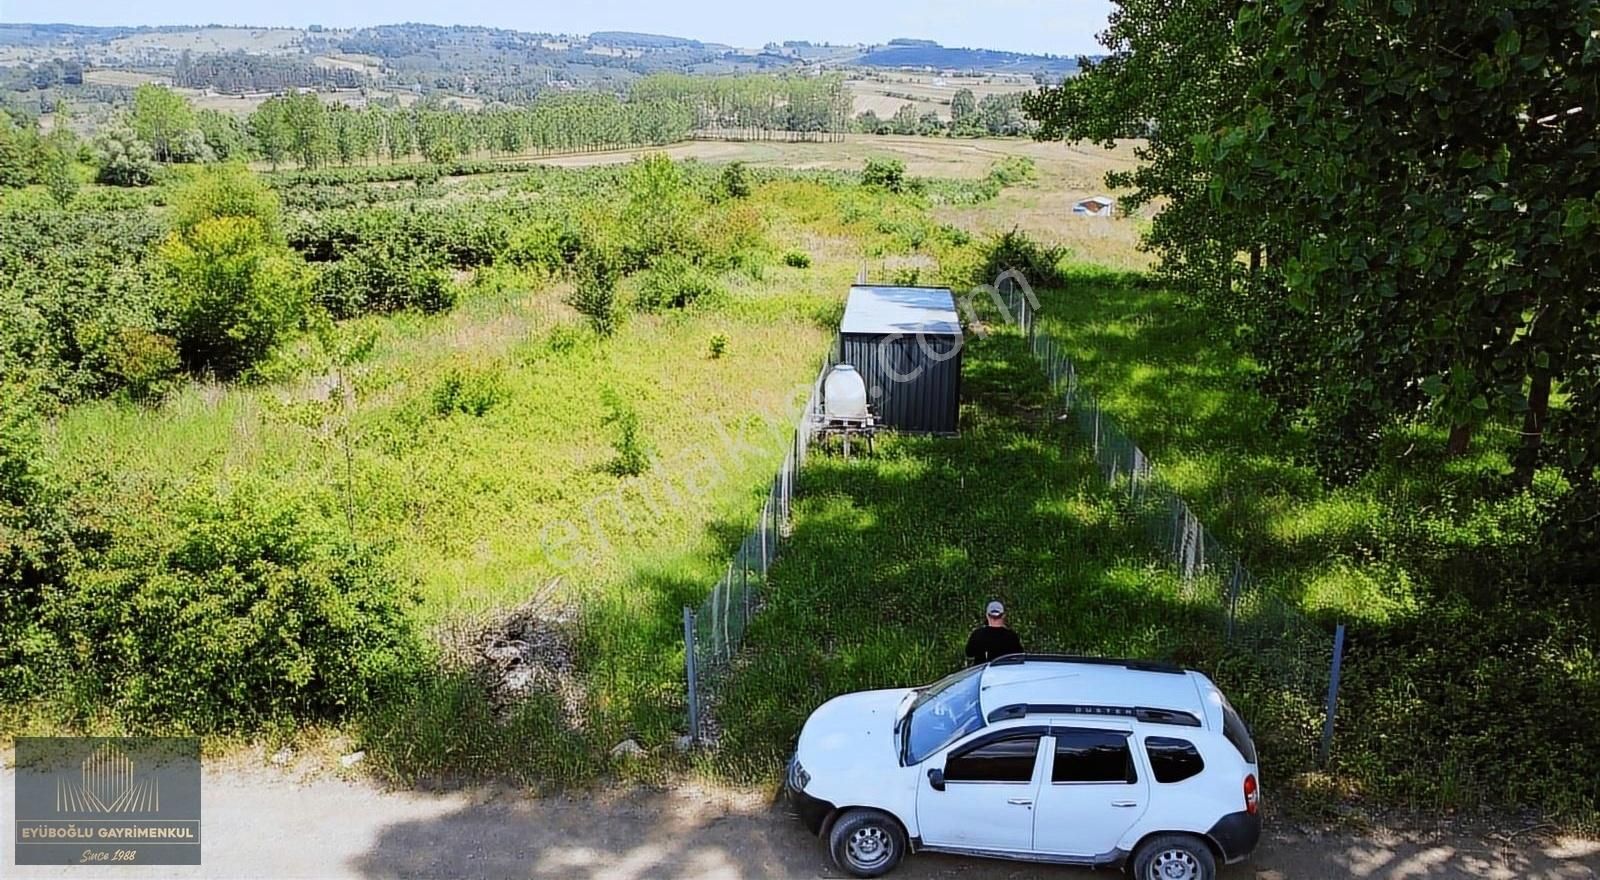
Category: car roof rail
<point>1139,665</point>
<point>1147,714</point>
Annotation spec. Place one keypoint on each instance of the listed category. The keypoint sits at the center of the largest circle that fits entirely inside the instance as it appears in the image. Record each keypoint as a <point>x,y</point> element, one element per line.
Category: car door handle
<point>1124,803</point>
<point>1021,802</point>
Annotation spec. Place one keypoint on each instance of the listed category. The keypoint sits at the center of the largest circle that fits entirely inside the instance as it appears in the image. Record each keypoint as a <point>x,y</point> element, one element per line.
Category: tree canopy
<point>1396,199</point>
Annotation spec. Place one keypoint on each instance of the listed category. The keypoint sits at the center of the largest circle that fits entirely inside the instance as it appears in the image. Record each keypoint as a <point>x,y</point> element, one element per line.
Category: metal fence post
<point>1333,692</point>
<point>691,673</point>
<point>1233,595</point>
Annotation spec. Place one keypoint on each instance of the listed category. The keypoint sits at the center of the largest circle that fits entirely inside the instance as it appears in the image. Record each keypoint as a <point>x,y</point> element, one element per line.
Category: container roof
<point>927,310</point>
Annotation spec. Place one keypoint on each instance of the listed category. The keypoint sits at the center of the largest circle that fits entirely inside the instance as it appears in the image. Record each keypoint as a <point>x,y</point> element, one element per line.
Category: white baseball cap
<point>995,609</point>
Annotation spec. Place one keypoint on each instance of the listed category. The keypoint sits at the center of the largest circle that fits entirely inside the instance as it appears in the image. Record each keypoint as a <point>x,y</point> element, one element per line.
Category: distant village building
<point>1095,206</point>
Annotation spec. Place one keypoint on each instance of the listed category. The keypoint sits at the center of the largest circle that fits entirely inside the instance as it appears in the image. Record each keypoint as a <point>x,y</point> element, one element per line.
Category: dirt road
<point>262,823</point>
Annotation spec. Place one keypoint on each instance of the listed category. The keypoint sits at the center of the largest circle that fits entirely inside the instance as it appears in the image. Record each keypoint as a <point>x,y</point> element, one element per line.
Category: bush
<point>250,611</point>
<point>1014,170</point>
<point>232,293</point>
<point>144,362</point>
<point>719,346</point>
<point>539,246</point>
<point>384,277</point>
<point>1040,264</point>
<point>673,283</point>
<point>469,390</point>
<point>797,259</point>
<point>594,293</point>
<point>70,284</point>
<point>889,174</point>
<point>37,550</point>
<point>123,159</point>
<point>735,180</point>
<point>229,190</point>
<point>633,454</point>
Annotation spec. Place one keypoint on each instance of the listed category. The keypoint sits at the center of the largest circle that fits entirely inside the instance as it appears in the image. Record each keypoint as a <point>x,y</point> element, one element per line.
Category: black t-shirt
<point>988,642</point>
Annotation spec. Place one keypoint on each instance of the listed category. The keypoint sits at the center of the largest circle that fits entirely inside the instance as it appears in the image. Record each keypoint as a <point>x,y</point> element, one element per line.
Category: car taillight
<point>1252,795</point>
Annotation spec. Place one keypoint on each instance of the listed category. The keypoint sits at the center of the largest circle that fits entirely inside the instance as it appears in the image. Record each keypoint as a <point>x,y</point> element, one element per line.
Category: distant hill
<point>642,41</point>
<point>39,62</point>
<point>927,53</point>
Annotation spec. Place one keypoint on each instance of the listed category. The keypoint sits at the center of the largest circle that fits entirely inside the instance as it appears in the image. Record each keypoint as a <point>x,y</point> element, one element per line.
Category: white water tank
<point>844,394</point>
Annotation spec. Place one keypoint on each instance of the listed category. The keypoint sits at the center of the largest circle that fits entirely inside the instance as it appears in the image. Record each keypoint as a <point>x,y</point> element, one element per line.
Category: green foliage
<point>797,259</point>
<point>673,282</point>
<point>232,291</point>
<point>123,159</point>
<point>1394,241</point>
<point>544,246</point>
<point>735,180</point>
<point>1014,171</point>
<point>223,133</point>
<point>388,275</point>
<point>142,362</point>
<point>59,174</point>
<point>885,172</point>
<point>161,118</point>
<point>718,346</point>
<point>38,549</point>
<point>963,106</point>
<point>633,452</point>
<point>1459,637</point>
<point>469,390</point>
<point>229,190</point>
<point>248,611</point>
<point>71,283</point>
<point>16,148</point>
<point>594,290</point>
<point>1041,265</point>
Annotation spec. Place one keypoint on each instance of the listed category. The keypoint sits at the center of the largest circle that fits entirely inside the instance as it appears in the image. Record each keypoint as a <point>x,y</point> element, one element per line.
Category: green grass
<point>893,557</point>
<point>1456,659</point>
<point>473,445</point>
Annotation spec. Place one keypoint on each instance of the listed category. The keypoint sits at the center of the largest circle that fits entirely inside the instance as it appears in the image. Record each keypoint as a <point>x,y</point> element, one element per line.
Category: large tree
<point>1396,198</point>
<point>160,117</point>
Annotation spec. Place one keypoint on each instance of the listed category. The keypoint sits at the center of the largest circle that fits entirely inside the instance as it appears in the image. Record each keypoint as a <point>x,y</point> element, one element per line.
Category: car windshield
<point>943,711</point>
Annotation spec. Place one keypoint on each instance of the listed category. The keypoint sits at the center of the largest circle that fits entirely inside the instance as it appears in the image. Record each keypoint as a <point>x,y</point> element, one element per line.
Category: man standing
<point>994,638</point>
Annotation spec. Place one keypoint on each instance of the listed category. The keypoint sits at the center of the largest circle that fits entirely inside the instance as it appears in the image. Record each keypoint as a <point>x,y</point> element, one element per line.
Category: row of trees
<point>1396,199</point>
<point>771,103</point>
<point>999,115</point>
<point>302,129</point>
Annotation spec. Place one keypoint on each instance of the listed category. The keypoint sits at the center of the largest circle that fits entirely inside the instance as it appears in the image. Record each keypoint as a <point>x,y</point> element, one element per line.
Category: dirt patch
<point>519,652</point>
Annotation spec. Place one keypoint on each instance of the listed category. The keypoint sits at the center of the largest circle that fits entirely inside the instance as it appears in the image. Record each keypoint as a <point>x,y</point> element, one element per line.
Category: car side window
<point>1173,760</point>
<point>1003,760</point>
<point>1092,756</point>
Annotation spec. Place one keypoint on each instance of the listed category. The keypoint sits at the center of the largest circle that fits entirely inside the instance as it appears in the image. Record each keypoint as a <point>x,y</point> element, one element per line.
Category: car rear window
<point>1092,756</point>
<point>1173,760</point>
<point>1237,732</point>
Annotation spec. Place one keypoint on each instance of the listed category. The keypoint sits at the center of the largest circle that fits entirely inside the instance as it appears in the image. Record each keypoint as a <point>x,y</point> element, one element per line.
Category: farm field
<point>1066,173</point>
<point>885,93</point>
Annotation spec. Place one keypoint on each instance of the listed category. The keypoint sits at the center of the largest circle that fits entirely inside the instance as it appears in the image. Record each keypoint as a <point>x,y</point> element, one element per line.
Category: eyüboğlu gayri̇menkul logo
<point>107,801</point>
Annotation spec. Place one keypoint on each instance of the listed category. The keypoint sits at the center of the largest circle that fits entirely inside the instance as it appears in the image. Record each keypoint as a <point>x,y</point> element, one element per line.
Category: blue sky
<point>1062,27</point>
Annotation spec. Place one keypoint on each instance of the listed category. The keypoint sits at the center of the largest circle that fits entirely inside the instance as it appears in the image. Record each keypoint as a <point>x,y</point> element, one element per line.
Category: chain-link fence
<point>713,631</point>
<point>1292,662</point>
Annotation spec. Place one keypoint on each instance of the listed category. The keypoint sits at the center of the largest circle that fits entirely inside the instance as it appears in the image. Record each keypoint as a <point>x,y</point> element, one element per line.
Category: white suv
<point>1070,760</point>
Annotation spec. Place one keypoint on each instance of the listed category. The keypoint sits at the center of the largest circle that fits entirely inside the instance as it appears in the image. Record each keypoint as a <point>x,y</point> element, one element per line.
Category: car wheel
<point>866,843</point>
<point>1174,857</point>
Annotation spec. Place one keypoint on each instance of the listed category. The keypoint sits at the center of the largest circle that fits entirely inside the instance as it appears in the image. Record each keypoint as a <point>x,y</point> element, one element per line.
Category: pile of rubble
<point>520,651</point>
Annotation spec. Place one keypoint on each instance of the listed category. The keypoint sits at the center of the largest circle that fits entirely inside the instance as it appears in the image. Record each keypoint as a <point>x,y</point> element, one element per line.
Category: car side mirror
<point>936,778</point>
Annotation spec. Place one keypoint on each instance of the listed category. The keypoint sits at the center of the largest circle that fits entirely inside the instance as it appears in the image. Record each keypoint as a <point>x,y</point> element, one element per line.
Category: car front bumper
<point>811,811</point>
<point>1236,834</point>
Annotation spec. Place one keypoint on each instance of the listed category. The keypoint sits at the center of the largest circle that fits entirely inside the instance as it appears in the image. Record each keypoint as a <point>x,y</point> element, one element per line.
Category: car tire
<point>866,843</point>
<point>1174,857</point>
